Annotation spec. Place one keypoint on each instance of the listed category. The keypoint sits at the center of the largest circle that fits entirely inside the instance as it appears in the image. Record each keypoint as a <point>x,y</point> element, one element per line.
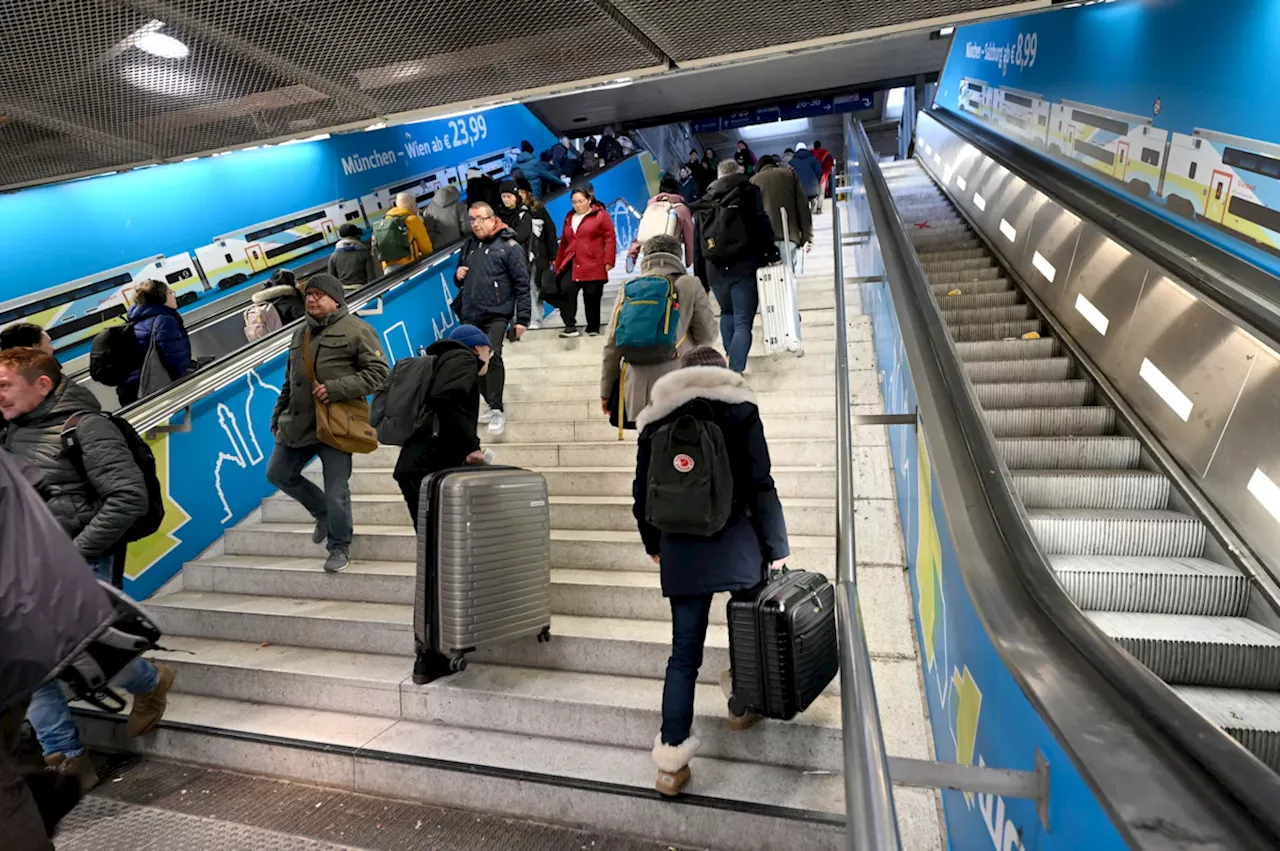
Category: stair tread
<point>1142,564</point>
<point>1086,474</point>
<point>380,498</point>
<point>1239,709</point>
<point>1121,515</point>
<point>1200,629</point>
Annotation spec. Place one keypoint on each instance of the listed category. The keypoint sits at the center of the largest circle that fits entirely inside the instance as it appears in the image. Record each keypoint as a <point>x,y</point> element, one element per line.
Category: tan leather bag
<point>342,425</point>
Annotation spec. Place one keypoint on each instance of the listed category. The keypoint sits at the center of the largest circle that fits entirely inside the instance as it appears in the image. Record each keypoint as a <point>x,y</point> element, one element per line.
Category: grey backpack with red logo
<point>690,482</point>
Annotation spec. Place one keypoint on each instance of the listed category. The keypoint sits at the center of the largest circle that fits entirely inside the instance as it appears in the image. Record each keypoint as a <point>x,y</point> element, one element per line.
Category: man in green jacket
<point>348,362</point>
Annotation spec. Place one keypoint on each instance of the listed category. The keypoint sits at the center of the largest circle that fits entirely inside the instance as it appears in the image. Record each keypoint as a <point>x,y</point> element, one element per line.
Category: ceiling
<point>80,92</point>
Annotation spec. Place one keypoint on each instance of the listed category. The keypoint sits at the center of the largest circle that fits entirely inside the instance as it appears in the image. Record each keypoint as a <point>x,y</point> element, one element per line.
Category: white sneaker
<point>486,415</point>
<point>497,422</point>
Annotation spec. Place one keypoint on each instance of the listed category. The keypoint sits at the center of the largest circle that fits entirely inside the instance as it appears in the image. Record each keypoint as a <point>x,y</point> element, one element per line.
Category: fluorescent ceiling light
<point>895,100</point>
<point>164,80</point>
<point>150,40</point>
<point>790,127</point>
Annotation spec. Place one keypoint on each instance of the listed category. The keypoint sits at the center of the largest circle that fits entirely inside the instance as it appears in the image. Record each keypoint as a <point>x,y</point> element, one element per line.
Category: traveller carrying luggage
<point>260,319</point>
<point>779,301</point>
<point>659,218</point>
<point>484,565</point>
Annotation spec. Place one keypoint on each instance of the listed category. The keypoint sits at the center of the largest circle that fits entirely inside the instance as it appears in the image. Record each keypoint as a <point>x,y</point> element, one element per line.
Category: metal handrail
<point>871,820</point>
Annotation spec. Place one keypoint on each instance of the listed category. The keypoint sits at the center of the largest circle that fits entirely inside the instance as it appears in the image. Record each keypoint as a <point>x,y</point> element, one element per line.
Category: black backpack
<point>722,225</point>
<point>689,485</point>
<point>114,355</point>
<point>402,405</point>
<point>150,521</point>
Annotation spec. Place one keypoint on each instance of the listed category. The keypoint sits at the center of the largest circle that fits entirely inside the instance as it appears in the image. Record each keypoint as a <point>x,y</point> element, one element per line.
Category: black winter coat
<point>738,556</point>
<point>759,230</point>
<point>455,399</point>
<point>497,281</point>
<point>96,509</point>
<point>484,188</point>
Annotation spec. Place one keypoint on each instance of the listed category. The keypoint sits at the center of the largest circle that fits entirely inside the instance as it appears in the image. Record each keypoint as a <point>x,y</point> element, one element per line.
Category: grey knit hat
<point>703,356</point>
<point>329,285</point>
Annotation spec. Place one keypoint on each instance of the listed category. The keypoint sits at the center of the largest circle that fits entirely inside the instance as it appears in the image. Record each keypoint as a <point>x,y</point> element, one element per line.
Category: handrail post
<point>871,821</point>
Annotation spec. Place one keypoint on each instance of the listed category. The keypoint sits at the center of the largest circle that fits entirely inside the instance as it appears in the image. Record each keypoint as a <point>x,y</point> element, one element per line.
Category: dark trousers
<point>492,382</point>
<point>333,504</point>
<point>419,459</point>
<point>689,617</point>
<point>20,818</point>
<point>739,300</point>
<point>592,293</point>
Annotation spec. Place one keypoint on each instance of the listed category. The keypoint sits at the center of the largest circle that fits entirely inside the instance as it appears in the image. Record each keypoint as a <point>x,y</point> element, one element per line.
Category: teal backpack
<point>647,319</point>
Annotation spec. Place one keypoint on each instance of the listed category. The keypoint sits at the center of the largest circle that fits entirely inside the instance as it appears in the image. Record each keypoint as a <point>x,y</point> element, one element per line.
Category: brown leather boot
<point>79,767</point>
<point>149,708</point>
<point>669,784</point>
<point>673,764</point>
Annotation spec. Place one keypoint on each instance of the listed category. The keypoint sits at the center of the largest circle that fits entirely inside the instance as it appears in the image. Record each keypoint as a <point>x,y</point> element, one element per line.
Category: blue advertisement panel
<point>222,458</point>
<point>977,711</point>
<point>1142,99</point>
<point>216,223</point>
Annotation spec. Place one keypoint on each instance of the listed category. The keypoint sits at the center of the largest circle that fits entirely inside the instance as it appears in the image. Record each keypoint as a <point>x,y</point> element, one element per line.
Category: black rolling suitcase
<point>782,645</point>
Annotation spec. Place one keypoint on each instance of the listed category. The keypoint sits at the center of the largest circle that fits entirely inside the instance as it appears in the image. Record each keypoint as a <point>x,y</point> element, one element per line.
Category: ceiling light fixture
<point>149,39</point>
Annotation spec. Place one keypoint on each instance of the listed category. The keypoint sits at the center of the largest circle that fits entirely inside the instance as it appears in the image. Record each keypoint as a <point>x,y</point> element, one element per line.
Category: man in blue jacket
<point>493,290</point>
<point>537,170</point>
<point>809,170</point>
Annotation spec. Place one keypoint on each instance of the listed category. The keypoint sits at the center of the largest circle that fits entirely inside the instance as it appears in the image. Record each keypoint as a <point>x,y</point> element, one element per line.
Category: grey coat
<point>446,218</point>
<point>348,361</point>
<point>95,510</point>
<point>697,327</point>
<point>50,604</point>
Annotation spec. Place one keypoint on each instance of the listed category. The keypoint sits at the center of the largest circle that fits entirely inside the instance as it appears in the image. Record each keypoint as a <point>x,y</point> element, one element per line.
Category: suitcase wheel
<point>458,664</point>
<point>737,707</point>
<point>544,636</point>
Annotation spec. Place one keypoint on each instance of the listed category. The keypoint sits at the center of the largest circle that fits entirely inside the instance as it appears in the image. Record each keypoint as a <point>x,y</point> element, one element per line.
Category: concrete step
<point>817,424</point>
<point>589,356</point>
<point>815,325</point>
<point>607,787</point>
<point>864,383</point>
<point>613,513</point>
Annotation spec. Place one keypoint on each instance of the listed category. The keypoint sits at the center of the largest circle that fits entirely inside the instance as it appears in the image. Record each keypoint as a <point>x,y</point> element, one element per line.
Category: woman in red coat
<point>588,249</point>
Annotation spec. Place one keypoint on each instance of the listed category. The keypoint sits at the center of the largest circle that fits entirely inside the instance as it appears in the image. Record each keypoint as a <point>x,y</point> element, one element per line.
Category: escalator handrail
<point>1098,700</point>
<point>871,822</point>
<point>154,410</point>
<point>1236,286</point>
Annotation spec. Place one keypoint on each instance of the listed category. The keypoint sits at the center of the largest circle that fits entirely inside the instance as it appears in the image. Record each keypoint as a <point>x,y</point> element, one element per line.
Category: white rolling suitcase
<point>779,302</point>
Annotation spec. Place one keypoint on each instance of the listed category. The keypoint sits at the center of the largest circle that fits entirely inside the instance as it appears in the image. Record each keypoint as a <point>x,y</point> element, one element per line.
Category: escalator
<point>1113,527</point>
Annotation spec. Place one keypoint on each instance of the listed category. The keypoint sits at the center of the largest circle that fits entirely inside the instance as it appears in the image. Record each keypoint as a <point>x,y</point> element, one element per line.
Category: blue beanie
<point>469,336</point>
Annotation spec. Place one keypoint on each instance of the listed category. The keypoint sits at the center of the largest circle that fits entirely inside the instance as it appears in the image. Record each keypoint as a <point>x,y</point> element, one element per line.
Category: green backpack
<point>391,239</point>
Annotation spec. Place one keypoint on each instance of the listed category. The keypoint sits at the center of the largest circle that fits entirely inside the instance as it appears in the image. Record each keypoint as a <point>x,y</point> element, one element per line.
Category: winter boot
<point>673,764</point>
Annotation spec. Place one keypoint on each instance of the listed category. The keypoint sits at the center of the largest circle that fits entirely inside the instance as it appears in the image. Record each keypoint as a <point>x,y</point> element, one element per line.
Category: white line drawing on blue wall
<point>248,453</point>
<point>391,349</point>
<point>447,317</point>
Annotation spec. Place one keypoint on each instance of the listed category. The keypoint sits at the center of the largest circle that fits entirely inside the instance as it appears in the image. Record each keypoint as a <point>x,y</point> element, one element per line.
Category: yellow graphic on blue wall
<point>928,555</point>
<point>968,703</point>
<point>148,551</point>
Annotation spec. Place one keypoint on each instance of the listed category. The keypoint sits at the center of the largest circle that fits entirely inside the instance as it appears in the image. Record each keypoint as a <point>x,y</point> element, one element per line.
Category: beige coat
<point>697,327</point>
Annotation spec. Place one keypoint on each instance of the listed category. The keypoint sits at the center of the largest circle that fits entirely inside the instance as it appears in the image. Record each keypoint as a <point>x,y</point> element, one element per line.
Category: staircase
<point>1114,529</point>
<point>285,670</point>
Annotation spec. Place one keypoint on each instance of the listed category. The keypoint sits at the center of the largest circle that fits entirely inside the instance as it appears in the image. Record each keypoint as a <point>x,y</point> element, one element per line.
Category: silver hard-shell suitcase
<point>779,302</point>
<point>484,564</point>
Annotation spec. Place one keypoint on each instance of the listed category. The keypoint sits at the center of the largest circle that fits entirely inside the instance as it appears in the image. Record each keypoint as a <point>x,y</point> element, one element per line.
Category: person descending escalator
<point>162,347</point>
<point>278,303</point>
<point>446,217</point>
<point>537,170</point>
<point>351,262</point>
<point>481,189</point>
<point>400,237</point>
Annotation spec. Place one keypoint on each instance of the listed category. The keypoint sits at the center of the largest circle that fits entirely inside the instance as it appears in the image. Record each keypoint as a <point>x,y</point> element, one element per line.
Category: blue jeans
<point>739,299</point>
<point>689,617</point>
<point>49,714</point>
<point>333,504</point>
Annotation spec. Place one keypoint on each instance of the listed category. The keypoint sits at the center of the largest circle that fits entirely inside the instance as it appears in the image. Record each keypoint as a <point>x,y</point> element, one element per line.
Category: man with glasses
<point>493,284</point>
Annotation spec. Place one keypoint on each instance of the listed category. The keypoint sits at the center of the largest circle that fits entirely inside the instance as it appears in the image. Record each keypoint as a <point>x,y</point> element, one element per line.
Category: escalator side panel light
<point>1095,317</point>
<point>979,201</point>
<point>960,182</point>
<point>1043,266</point>
<point>1166,389</point>
<point>1009,231</point>
<point>1266,492</point>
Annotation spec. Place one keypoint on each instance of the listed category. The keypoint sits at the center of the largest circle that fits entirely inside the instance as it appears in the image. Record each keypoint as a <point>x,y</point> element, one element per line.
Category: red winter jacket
<point>591,249</point>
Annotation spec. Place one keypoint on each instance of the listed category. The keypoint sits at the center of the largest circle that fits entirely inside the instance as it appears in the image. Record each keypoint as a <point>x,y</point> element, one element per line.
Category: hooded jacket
<point>809,170</point>
<point>287,300</point>
<point>348,361</point>
<point>737,556</point>
<point>684,225</point>
<point>781,190</point>
<point>51,606</point>
<point>541,178</point>
<point>445,217</point>
<point>592,248</point>
<point>419,242</point>
<point>697,327</point>
<point>95,509</point>
<point>497,281</point>
<point>455,399</point>
<point>172,343</point>
<point>352,263</point>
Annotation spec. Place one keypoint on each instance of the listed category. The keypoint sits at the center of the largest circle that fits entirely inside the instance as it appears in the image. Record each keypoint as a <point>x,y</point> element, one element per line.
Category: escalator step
<point>1022,369</point>
<point>1086,531</point>
<point>1250,717</point>
<point>1111,452</point>
<point>1197,650</point>
<point>1075,392</point>
<point>993,285</point>
<point>1134,489</point>
<point>958,278</point>
<point>983,265</point>
<point>1051,423</point>
<point>1165,586</point>
<point>960,254</point>
<point>995,330</point>
<point>973,301</point>
<point>986,315</point>
<point>1005,350</point>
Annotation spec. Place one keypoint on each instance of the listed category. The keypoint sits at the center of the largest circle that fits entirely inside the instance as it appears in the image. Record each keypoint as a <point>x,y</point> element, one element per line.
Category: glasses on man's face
<point>479,218</point>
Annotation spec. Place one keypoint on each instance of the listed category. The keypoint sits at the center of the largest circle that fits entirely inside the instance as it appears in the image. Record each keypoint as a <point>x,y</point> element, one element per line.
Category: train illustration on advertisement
<point>73,312</point>
<point>1204,176</point>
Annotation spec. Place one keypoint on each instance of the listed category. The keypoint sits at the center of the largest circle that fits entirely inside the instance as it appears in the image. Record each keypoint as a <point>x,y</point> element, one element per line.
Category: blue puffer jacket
<point>540,176</point>
<point>735,558</point>
<point>171,341</point>
<point>809,170</point>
